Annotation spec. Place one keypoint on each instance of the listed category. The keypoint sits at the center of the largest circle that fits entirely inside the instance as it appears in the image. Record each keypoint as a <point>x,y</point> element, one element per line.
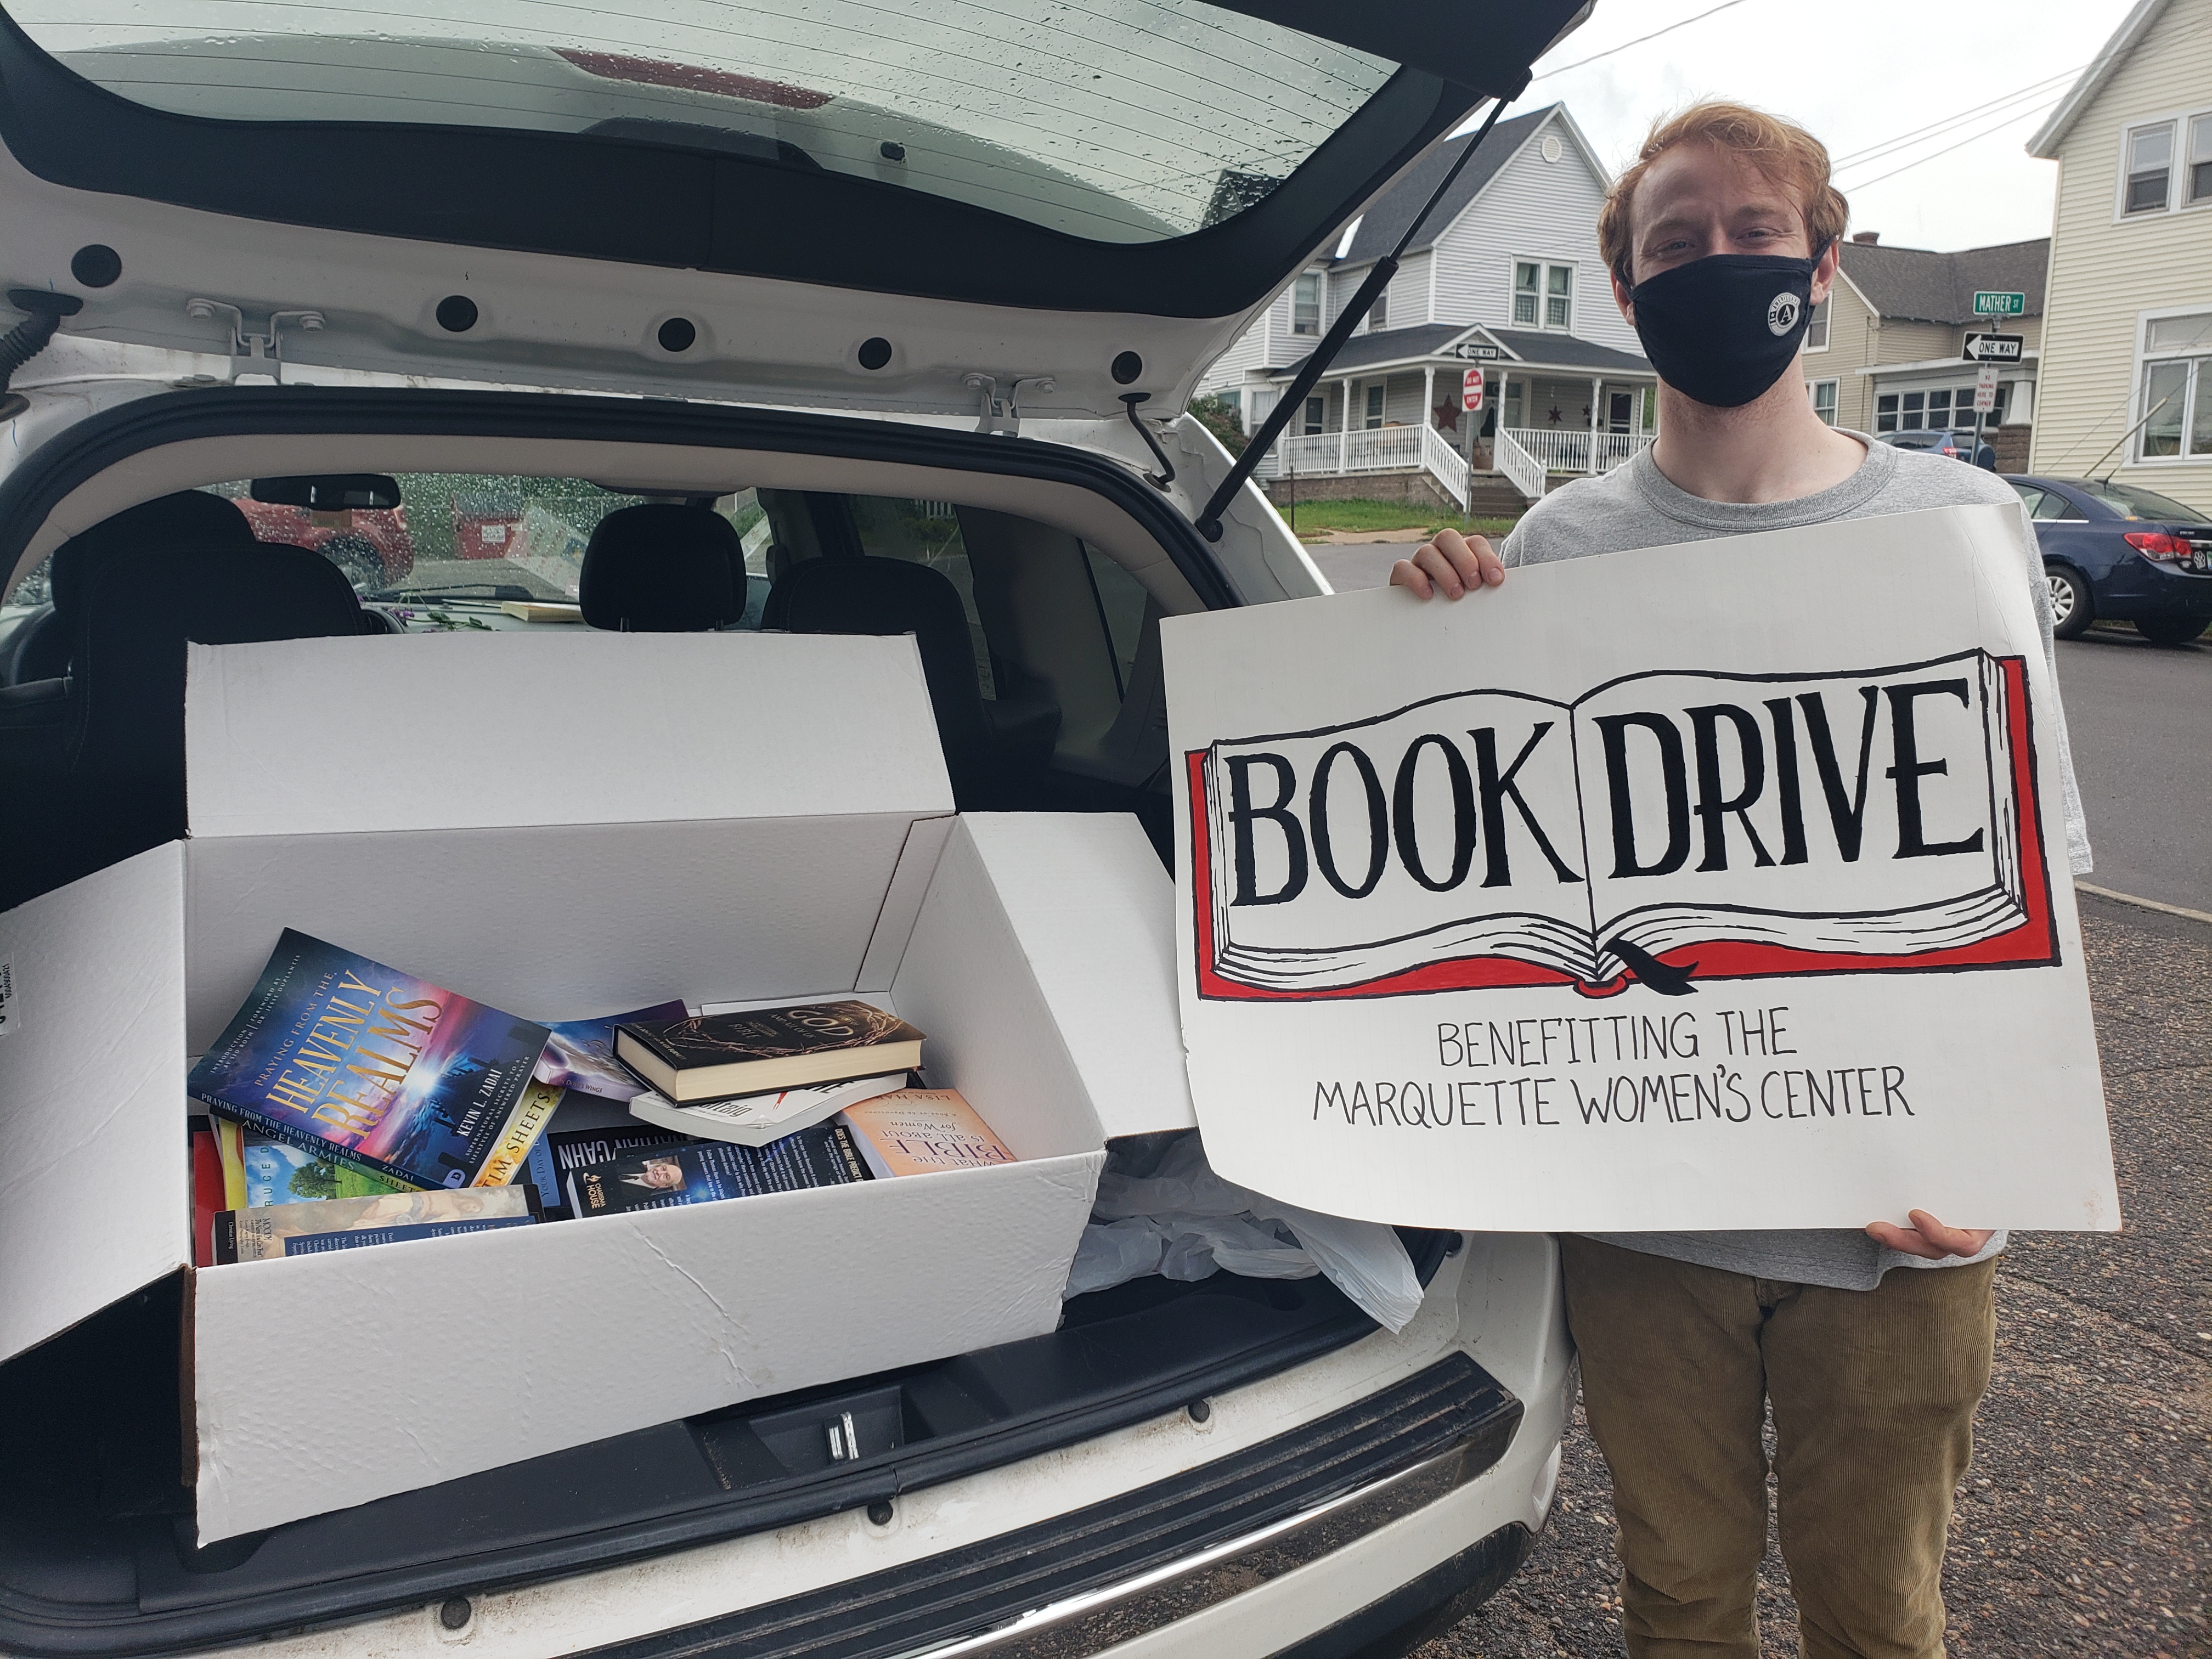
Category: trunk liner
<point>95,1525</point>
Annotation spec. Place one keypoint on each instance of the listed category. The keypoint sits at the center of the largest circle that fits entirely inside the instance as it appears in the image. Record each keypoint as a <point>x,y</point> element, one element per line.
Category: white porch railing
<point>1572,450</point>
<point>1444,463</point>
<point>1522,470</point>
<point>1363,449</point>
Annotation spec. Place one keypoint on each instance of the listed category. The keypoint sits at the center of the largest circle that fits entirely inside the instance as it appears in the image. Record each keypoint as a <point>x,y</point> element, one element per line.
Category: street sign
<point>1482,353</point>
<point>1470,390</point>
<point>1994,348</point>
<point>1988,303</point>
<point>1985,388</point>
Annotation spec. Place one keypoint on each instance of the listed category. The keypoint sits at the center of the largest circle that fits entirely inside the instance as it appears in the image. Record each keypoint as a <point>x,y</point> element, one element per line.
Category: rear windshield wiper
<point>474,590</point>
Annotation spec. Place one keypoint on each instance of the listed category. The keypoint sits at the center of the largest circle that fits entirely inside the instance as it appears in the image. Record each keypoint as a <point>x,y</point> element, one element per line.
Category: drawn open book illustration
<point>1663,827</point>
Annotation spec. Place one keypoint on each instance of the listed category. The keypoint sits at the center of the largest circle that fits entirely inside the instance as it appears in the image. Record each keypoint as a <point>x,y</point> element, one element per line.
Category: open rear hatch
<point>905,209</point>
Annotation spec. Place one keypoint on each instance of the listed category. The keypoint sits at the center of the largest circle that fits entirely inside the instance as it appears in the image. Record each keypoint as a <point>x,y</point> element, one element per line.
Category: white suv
<point>522,316</point>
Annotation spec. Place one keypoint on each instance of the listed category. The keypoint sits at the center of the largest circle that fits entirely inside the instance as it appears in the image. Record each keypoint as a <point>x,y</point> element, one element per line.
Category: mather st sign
<point>1988,303</point>
<point>1697,887</point>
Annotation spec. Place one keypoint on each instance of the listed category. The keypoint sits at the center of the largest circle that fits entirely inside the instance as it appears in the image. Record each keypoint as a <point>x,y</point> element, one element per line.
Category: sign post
<point>1470,390</point>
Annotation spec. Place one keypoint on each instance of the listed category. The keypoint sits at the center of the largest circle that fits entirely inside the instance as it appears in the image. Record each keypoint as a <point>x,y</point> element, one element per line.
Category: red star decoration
<point>1447,417</point>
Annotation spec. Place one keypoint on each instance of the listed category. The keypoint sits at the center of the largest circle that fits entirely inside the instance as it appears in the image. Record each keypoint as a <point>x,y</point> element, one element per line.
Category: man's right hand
<point>1451,564</point>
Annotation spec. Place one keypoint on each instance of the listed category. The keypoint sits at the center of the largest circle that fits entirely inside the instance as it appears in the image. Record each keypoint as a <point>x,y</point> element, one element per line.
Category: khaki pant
<point>1874,1395</point>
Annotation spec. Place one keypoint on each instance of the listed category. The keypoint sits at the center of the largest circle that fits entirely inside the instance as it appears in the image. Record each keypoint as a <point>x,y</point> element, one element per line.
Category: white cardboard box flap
<point>94,1203</point>
<point>485,730</point>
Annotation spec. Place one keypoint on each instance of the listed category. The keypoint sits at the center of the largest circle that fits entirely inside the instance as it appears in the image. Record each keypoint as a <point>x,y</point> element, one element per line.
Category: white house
<point>1505,276</point>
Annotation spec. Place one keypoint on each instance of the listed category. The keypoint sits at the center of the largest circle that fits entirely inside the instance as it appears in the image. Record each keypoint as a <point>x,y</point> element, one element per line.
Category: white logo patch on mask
<point>1781,314</point>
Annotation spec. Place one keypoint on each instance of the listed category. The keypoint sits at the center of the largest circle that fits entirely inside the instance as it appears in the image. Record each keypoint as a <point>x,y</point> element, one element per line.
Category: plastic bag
<point>1162,1209</point>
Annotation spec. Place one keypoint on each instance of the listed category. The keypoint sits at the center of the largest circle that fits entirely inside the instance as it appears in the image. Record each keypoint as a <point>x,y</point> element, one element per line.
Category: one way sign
<point>1994,348</point>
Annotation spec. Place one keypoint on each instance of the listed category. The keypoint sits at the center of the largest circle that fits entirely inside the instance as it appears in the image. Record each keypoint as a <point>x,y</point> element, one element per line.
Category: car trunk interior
<point>1063,564</point>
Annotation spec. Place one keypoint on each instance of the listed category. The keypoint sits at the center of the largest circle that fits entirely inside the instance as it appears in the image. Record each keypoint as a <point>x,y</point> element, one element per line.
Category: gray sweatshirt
<point>1636,506</point>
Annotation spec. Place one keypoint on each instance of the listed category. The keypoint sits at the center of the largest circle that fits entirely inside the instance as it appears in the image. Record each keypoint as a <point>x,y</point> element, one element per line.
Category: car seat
<point>102,776</point>
<point>663,567</point>
<point>994,749</point>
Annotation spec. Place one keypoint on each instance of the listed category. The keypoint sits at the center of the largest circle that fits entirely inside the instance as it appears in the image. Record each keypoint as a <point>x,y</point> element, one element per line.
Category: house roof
<point>1387,215</point>
<point>1916,284</point>
<point>1533,347</point>
<point>2106,63</point>
<point>1545,349</point>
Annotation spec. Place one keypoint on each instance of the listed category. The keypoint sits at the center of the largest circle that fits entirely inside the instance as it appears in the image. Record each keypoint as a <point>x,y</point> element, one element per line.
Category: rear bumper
<point>2138,589</point>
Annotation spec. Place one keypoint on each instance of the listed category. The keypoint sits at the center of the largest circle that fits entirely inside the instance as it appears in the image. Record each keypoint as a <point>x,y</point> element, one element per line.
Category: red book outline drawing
<point>2030,939</point>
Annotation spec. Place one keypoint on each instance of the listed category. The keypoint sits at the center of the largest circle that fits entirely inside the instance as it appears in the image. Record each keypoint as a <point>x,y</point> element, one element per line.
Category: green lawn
<point>1315,517</point>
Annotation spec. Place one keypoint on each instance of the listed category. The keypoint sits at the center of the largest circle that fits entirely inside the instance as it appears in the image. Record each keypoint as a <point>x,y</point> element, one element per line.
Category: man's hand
<point>1452,564</point>
<point>1927,1238</point>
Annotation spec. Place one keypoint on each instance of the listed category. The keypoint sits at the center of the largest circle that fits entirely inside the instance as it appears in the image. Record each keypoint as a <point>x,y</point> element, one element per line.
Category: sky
<point>1859,76</point>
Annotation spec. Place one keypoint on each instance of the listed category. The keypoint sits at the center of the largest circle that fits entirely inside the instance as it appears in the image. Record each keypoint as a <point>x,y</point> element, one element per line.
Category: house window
<point>1234,399</point>
<point>1924,411</point>
<point>1378,315</point>
<point>2150,165</point>
<point>1543,294</point>
<point>1528,281</point>
<point>2200,160</point>
<point>1816,332</point>
<point>1305,304</point>
<point>1316,415</point>
<point>2177,392</point>
<point>1824,399</point>
<point>1375,405</point>
<point>1558,296</point>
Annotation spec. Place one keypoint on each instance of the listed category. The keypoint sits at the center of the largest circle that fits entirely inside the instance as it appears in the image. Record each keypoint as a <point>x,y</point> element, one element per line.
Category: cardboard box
<point>563,826</point>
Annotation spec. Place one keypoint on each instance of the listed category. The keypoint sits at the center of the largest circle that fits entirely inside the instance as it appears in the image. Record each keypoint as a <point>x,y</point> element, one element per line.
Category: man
<point>1721,240</point>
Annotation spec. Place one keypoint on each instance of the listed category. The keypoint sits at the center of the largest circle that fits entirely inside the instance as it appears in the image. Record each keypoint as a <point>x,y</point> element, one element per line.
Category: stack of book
<point>350,1105</point>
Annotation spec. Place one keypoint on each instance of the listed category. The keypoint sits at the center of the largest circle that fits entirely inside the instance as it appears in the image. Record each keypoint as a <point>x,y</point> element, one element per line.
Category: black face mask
<point>1723,329</point>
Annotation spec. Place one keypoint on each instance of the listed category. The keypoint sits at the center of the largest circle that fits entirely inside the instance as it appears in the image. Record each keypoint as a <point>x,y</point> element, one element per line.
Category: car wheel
<point>2071,612</point>
<point>358,559</point>
<point>2172,631</point>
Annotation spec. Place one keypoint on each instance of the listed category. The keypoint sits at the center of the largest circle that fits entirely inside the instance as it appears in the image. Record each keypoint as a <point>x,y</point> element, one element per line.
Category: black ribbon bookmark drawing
<point>1650,970</point>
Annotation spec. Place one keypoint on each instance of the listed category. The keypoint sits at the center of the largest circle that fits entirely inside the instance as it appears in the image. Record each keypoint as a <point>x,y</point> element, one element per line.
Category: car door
<point>940,207</point>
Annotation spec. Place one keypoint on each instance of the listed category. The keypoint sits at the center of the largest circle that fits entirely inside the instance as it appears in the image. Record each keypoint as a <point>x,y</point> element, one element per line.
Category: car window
<point>2031,498</point>
<point>1116,120</point>
<point>2133,501</point>
<point>2055,505</point>
<point>926,533</point>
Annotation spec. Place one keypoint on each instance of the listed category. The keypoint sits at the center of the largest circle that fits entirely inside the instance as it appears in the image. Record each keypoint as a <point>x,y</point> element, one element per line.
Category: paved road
<point>2081,1529</point>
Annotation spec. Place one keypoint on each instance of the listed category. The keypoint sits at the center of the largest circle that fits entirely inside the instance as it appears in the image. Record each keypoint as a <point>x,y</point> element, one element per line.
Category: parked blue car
<point>2120,553</point>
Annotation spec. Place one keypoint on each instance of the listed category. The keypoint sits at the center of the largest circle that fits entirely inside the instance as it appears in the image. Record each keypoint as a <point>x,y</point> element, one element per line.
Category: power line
<point>2009,120</point>
<point>1875,151</point>
<point>1637,41</point>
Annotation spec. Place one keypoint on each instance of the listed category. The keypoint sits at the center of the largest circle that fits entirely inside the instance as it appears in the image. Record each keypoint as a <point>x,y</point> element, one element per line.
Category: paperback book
<point>278,1172</point>
<point>919,1131</point>
<point>702,1172</point>
<point>375,1068</point>
<point>713,1056</point>
<point>350,1224</point>
<point>579,1054</point>
<point>755,1120</point>
<point>560,1152</point>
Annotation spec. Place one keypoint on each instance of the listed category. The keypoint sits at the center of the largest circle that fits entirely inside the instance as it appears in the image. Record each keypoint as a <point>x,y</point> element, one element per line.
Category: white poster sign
<point>1710,886</point>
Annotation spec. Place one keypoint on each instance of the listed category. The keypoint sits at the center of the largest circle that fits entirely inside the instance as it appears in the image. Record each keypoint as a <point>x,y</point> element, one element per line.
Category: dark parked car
<point>1959,445</point>
<point>2122,553</point>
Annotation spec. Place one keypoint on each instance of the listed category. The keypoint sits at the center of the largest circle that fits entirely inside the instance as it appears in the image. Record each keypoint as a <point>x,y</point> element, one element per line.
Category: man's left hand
<point>1929,1238</point>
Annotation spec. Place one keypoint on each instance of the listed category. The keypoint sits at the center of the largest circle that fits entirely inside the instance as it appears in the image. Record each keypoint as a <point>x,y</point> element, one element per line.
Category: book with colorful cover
<point>375,1068</point>
<point>581,1053</point>
<point>351,1223</point>
<point>278,1172</point>
<point>919,1131</point>
<point>756,1119</point>
<point>702,1172</point>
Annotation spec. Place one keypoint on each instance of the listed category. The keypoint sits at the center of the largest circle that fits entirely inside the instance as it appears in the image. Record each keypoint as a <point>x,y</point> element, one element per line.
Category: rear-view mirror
<point>330,492</point>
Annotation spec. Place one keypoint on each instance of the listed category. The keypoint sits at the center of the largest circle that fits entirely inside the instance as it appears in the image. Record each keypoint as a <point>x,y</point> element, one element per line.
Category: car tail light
<point>2157,545</point>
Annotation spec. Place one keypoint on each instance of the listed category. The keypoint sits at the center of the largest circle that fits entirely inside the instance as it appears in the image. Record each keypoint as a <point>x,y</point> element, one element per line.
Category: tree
<point>1219,416</point>
<point>316,1179</point>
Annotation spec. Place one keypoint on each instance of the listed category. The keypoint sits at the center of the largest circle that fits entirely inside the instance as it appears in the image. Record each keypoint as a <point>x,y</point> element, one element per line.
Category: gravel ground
<point>2081,1529</point>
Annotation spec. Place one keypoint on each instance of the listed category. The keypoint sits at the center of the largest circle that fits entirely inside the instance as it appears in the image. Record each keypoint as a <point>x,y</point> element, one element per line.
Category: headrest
<point>190,515</point>
<point>870,595</point>
<point>214,591</point>
<point>662,568</point>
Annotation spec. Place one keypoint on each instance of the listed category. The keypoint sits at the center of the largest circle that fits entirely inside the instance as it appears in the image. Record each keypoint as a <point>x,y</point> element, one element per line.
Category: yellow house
<point>1885,351</point>
<point>2127,341</point>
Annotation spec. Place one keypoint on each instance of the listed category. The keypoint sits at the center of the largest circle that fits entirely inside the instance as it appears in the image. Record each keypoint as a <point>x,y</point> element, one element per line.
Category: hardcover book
<point>350,1223</point>
<point>755,1120</point>
<point>917,1131</point>
<point>701,1172</point>
<point>353,1061</point>
<point>715,1056</point>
